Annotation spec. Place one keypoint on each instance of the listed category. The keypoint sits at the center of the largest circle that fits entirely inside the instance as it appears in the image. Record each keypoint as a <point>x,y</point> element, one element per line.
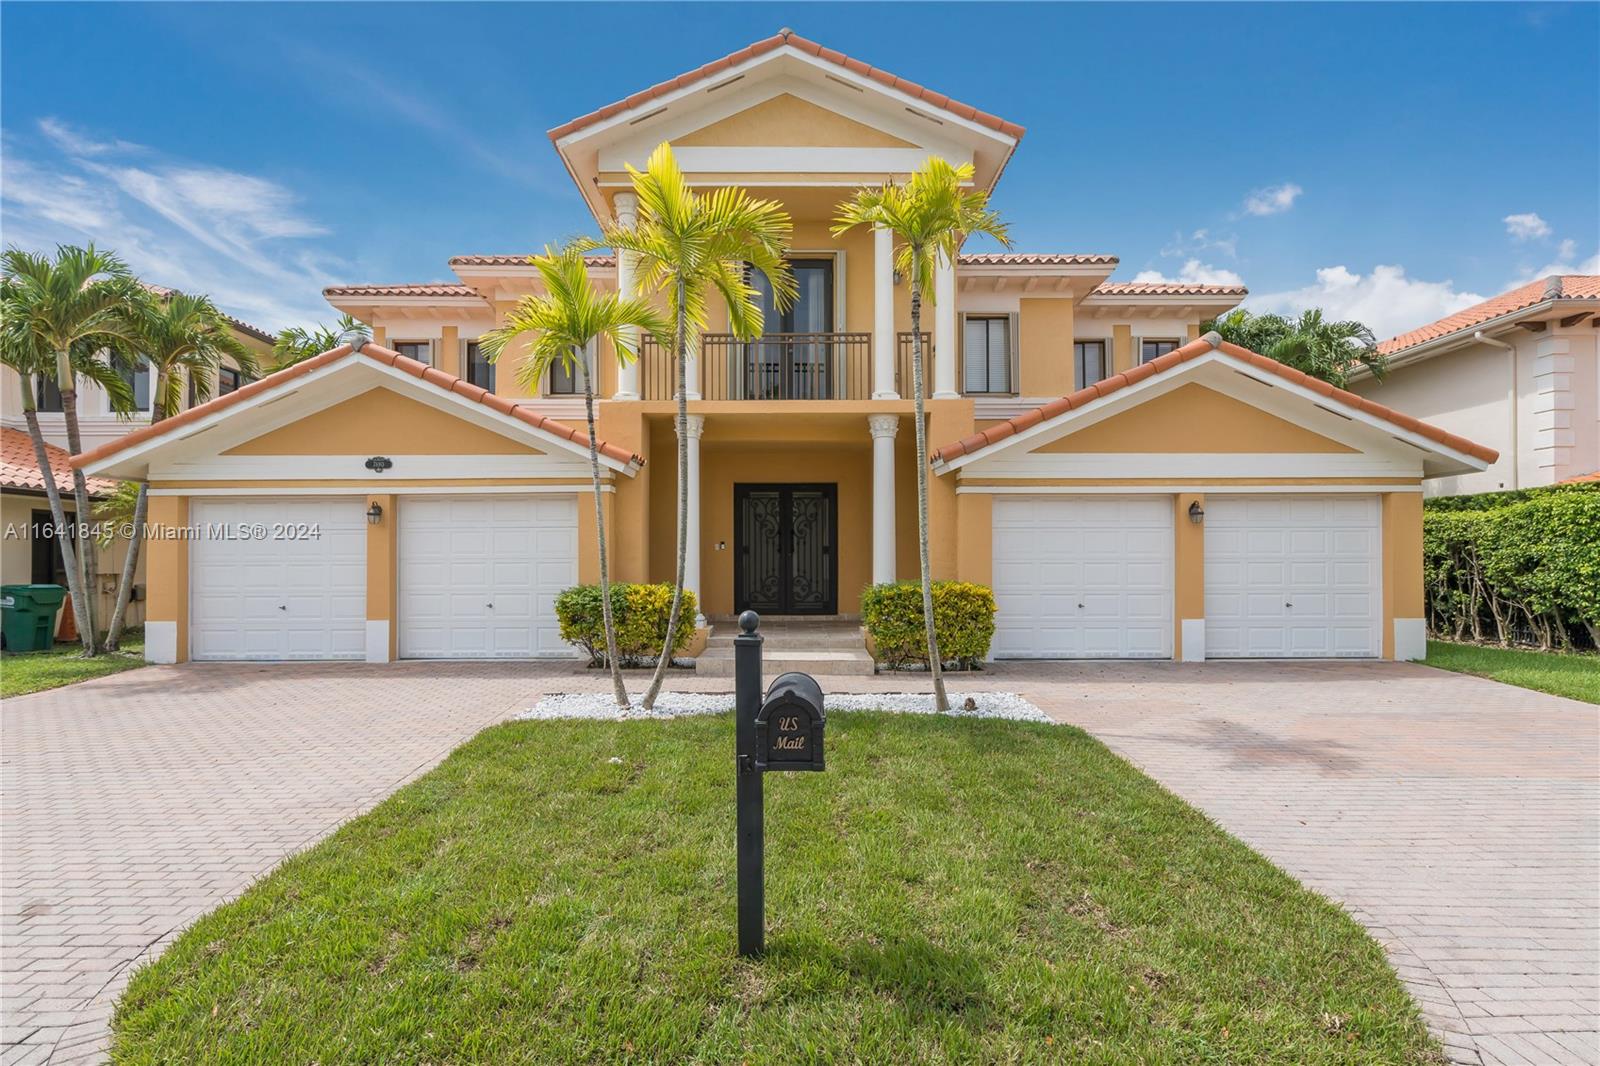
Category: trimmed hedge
<point>1488,501</point>
<point>1525,571</point>
<point>963,620</point>
<point>639,612</point>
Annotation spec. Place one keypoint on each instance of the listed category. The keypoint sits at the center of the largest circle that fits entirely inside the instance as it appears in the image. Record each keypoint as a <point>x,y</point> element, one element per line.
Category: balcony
<point>777,366</point>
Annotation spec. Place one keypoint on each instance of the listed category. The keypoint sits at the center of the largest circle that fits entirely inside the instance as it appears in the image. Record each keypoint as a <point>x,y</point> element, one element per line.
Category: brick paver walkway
<point>1456,818</point>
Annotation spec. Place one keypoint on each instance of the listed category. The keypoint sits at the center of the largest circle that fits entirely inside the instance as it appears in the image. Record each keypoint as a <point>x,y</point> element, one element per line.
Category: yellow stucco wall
<point>788,121</point>
<point>1402,562</point>
<point>167,598</point>
<point>383,568</point>
<point>1188,566</point>
<point>1046,333</point>
<point>1194,419</point>
<point>1122,355</point>
<point>378,421</point>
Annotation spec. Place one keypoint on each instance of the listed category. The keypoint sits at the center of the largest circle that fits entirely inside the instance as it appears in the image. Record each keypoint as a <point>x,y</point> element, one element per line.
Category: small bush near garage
<point>640,613</point>
<point>1515,568</point>
<point>963,620</point>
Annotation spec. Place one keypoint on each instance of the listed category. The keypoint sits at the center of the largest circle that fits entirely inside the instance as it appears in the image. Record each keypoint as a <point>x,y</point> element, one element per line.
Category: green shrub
<point>1528,569</point>
<point>963,620</point>
<point>639,612</point>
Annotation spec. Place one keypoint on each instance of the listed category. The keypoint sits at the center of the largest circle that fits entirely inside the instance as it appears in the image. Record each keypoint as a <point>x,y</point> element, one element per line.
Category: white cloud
<point>1272,200</point>
<point>1386,300</point>
<point>240,237</point>
<point>1526,227</point>
<point>1565,262</point>
<point>1194,272</point>
<point>1200,241</point>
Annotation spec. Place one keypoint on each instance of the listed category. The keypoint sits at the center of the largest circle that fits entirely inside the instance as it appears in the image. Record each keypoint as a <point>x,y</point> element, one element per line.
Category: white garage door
<point>1083,577</point>
<point>1293,576</point>
<point>278,578</point>
<point>479,575</point>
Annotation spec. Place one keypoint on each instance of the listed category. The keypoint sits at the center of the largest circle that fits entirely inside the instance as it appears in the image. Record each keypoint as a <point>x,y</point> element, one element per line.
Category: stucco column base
<point>883,429</point>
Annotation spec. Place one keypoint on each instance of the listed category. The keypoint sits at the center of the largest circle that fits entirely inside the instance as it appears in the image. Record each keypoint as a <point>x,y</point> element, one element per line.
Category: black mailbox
<point>789,725</point>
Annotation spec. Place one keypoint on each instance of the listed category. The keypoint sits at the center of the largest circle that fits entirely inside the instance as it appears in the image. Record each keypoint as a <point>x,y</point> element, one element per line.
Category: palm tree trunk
<point>940,700</point>
<point>681,342</point>
<point>67,385</point>
<point>58,513</point>
<point>619,689</point>
<point>141,508</point>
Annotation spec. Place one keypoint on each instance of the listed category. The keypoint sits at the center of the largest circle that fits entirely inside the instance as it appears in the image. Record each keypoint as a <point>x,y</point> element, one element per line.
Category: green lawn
<point>949,890</point>
<point>1574,676</point>
<point>35,671</point>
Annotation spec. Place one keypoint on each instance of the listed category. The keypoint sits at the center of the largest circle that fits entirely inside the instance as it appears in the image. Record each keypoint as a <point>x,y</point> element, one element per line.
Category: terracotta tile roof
<point>793,40</point>
<point>1194,350</point>
<point>1165,288</point>
<point>240,324</point>
<point>1034,259</point>
<point>1581,479</point>
<point>437,378</point>
<point>19,467</point>
<point>424,289</point>
<point>1555,287</point>
<point>519,260</point>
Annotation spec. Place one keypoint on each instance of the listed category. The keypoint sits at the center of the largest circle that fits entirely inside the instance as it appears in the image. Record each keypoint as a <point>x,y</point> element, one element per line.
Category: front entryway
<point>785,549</point>
<point>479,575</point>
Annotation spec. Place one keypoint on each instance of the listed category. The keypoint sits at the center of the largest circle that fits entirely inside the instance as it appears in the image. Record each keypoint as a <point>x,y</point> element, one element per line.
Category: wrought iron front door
<point>785,559</point>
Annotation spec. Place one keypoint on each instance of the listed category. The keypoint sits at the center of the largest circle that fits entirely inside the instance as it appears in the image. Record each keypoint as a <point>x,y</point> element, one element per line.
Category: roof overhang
<point>1333,413</point>
<point>596,147</point>
<point>1495,327</point>
<point>1203,305</point>
<point>1037,279</point>
<point>283,398</point>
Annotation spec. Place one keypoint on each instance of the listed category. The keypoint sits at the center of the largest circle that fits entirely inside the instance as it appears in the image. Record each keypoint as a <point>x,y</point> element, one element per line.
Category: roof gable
<point>786,120</point>
<point>1188,419</point>
<point>381,421</point>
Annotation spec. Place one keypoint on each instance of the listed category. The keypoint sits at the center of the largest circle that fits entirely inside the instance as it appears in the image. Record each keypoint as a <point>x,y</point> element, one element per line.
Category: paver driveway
<point>1455,817</point>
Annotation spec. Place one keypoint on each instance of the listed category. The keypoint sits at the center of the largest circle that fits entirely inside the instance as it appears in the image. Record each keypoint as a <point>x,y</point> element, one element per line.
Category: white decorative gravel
<point>602,706</point>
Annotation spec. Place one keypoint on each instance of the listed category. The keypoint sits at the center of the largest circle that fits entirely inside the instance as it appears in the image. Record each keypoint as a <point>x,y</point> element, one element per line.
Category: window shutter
<point>1014,336</point>
<point>1138,351</point>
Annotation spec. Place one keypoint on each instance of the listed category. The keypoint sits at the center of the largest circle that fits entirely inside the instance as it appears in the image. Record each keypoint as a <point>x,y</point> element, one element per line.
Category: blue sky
<point>1393,162</point>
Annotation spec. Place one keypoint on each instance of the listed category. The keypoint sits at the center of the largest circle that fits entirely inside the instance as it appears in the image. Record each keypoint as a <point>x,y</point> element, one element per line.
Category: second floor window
<point>1149,350</point>
<point>986,354</point>
<point>229,379</point>
<point>136,373</point>
<point>480,371</point>
<point>46,395</point>
<point>421,351</point>
<point>1089,362</point>
<point>566,379</point>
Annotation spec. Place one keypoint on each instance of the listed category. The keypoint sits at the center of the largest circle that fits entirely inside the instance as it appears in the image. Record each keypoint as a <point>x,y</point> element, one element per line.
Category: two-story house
<point>1127,486</point>
<point>1519,372</point>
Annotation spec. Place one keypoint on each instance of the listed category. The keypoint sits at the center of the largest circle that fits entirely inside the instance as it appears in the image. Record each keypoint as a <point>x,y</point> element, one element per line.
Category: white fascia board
<point>353,468</point>
<point>1180,465</point>
<point>1130,395</point>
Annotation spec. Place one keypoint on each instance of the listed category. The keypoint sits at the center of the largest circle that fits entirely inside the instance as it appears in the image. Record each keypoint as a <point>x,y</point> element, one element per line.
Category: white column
<point>696,425</point>
<point>691,365</point>
<point>883,345</point>
<point>627,205</point>
<point>944,331</point>
<point>883,428</point>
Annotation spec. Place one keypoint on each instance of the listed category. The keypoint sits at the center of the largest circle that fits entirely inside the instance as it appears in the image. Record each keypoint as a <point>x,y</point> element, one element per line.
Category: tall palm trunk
<point>58,513</point>
<point>617,687</point>
<point>681,343</point>
<point>67,383</point>
<point>141,508</point>
<point>941,701</point>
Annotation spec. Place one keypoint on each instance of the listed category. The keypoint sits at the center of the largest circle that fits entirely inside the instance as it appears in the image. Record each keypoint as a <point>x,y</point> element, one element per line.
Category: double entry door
<point>785,549</point>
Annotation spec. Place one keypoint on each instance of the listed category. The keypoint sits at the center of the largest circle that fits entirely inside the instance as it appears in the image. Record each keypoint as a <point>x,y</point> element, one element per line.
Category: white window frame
<point>1013,345</point>
<point>1176,343</point>
<point>428,342</point>
<point>1106,358</point>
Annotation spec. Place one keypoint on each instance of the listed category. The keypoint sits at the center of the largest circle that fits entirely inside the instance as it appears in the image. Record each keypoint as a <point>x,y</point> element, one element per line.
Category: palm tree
<point>179,336</point>
<point>930,216</point>
<point>687,244</point>
<point>564,322</point>
<point>297,343</point>
<point>1313,344</point>
<point>61,314</point>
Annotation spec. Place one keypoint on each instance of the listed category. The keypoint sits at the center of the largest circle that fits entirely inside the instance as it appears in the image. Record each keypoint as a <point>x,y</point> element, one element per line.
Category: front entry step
<point>810,647</point>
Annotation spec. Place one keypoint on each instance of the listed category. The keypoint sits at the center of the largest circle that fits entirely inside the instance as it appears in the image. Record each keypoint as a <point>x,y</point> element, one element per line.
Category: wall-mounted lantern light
<point>1197,514</point>
<point>375,514</point>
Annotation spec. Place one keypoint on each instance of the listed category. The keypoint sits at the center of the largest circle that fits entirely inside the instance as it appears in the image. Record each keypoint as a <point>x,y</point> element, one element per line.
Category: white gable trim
<point>1131,395</point>
<point>342,379</point>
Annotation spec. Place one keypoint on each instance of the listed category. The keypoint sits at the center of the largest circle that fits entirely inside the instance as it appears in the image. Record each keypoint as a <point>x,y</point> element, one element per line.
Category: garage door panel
<point>1083,577</point>
<point>1293,576</point>
<point>515,552</point>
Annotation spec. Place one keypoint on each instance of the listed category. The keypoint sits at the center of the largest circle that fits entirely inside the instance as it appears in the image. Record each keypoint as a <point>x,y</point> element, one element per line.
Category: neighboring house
<point>1128,487</point>
<point>22,559</point>
<point>1517,372</point>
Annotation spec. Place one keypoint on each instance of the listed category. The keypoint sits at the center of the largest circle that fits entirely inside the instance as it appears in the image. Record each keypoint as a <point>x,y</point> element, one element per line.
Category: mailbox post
<point>783,731</point>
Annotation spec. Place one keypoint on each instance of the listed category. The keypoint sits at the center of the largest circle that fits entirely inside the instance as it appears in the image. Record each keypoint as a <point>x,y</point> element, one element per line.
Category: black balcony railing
<point>902,365</point>
<point>778,366</point>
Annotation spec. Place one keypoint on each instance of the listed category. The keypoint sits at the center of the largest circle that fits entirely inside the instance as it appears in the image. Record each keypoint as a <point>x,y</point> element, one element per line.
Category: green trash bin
<point>28,616</point>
